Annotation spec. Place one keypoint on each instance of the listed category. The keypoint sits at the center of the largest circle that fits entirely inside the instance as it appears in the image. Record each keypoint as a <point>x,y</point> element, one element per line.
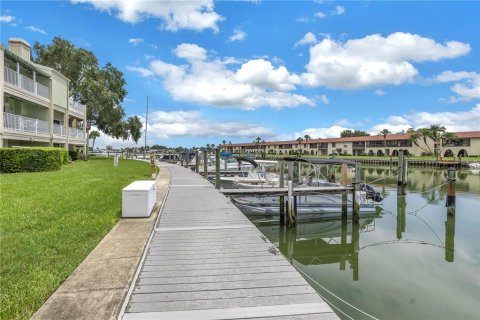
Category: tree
<point>224,142</point>
<point>101,89</point>
<point>354,133</point>
<point>257,142</point>
<point>94,134</point>
<point>438,134</point>
<point>384,133</point>
<point>299,140</point>
<point>307,137</point>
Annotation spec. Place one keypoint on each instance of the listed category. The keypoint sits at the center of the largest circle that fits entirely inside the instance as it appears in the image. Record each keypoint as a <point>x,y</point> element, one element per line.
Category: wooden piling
<point>451,191</point>
<point>217,168</point>
<point>344,181</point>
<point>197,162</point>
<point>356,205</point>
<point>401,215</point>
<point>282,198</point>
<point>400,168</point>
<point>290,209</point>
<point>343,242</point>
<point>205,164</point>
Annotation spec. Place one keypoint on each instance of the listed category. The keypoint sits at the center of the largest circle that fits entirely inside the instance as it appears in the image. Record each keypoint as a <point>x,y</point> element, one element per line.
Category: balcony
<point>25,124</point>
<point>25,83</point>
<point>75,133</point>
<point>58,130</point>
<point>77,107</point>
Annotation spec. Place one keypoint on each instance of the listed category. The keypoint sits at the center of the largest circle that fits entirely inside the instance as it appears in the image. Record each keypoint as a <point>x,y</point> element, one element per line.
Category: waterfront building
<point>37,110</point>
<point>466,144</point>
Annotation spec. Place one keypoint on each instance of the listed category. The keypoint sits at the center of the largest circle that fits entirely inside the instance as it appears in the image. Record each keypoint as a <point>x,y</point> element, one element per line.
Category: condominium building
<point>467,143</point>
<point>37,110</point>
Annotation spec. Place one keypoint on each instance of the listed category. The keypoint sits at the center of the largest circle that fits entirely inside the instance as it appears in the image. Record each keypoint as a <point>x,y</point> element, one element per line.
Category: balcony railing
<point>77,107</point>
<point>24,82</point>
<point>75,133</point>
<point>58,130</point>
<point>20,123</point>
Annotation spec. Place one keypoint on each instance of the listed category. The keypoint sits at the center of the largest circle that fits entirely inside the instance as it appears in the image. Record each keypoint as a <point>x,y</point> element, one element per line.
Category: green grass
<point>50,221</point>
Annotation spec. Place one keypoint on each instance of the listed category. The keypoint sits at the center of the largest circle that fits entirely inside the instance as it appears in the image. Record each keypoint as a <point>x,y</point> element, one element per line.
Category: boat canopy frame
<point>247,159</point>
<point>322,161</point>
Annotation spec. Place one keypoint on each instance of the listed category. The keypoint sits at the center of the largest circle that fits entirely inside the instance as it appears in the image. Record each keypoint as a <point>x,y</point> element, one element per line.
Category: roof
<point>26,64</point>
<point>397,136</point>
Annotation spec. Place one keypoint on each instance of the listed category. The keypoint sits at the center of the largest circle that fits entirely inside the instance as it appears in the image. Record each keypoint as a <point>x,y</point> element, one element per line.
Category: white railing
<point>24,82</point>
<point>58,130</point>
<point>75,133</point>
<point>10,76</point>
<point>20,123</point>
<point>42,90</point>
<point>27,83</point>
<point>77,107</point>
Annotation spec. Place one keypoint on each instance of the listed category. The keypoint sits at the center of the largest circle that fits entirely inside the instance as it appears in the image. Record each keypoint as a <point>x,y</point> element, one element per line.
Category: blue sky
<point>233,71</point>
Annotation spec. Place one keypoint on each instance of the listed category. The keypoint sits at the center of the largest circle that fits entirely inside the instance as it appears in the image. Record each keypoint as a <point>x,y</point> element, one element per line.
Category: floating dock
<point>206,260</point>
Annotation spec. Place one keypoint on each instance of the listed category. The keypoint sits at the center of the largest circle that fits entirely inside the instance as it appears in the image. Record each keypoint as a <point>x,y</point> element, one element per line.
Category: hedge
<point>32,159</point>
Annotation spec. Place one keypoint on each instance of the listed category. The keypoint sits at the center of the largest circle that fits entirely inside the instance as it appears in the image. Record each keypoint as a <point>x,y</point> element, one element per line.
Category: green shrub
<point>32,159</point>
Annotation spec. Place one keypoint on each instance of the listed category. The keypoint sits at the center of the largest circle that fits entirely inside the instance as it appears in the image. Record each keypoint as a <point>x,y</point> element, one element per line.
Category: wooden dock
<point>206,260</point>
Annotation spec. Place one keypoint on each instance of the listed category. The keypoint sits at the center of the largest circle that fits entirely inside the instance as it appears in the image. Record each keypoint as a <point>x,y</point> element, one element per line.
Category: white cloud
<point>328,132</point>
<point>7,18</point>
<point>144,72</point>
<point>467,86</point>
<point>304,19</point>
<point>320,15</point>
<point>135,41</point>
<point>164,125</point>
<point>339,10</point>
<point>175,15</point>
<point>468,120</point>
<point>308,38</point>
<point>238,35</point>
<point>374,60</point>
<point>380,92</point>
<point>323,98</point>
<point>211,81</point>
<point>35,29</point>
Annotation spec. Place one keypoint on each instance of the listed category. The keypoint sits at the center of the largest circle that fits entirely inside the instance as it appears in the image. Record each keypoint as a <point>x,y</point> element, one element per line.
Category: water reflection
<point>321,242</point>
<point>413,260</point>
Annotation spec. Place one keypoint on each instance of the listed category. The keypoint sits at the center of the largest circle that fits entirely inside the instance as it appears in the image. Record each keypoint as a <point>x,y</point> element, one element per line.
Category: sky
<point>236,70</point>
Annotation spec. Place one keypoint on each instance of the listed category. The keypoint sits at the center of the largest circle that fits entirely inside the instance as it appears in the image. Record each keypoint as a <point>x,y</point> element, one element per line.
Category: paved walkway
<point>206,260</point>
<point>99,285</point>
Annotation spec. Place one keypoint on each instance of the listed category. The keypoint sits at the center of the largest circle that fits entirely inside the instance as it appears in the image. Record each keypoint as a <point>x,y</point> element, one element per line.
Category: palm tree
<point>385,132</point>
<point>307,137</point>
<point>224,142</point>
<point>436,133</point>
<point>299,140</point>
<point>257,142</point>
<point>94,134</point>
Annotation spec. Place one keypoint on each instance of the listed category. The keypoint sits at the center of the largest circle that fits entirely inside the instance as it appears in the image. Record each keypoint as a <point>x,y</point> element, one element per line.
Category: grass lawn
<point>50,221</point>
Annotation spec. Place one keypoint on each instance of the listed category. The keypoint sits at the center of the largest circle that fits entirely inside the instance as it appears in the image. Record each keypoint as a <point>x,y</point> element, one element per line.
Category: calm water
<point>411,261</point>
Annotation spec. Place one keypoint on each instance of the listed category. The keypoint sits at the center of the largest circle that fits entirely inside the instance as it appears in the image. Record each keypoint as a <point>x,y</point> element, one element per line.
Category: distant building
<point>37,110</point>
<point>467,144</point>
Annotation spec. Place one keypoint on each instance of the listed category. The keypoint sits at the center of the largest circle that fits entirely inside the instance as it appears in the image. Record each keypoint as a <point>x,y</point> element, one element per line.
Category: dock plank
<point>206,260</point>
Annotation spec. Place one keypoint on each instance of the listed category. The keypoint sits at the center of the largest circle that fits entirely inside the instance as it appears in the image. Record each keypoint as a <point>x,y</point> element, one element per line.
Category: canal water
<point>409,261</point>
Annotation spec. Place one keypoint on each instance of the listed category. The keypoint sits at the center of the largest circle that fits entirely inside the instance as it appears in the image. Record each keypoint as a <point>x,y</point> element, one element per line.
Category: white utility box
<point>138,199</point>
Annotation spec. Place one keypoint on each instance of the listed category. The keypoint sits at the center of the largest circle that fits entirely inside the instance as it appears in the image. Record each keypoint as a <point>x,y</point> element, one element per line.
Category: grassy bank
<point>50,221</point>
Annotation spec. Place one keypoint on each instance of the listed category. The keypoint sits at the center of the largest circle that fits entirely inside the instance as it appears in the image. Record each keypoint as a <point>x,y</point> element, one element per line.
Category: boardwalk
<point>206,260</point>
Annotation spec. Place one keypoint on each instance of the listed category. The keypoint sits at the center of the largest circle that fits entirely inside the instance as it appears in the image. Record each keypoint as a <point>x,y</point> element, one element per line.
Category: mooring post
<point>404,171</point>
<point>205,164</point>
<point>450,237</point>
<point>290,170</point>
<point>197,162</point>
<point>344,182</point>
<point>355,185</point>
<point>290,221</point>
<point>225,164</point>
<point>282,198</point>
<point>451,191</point>
<point>217,168</point>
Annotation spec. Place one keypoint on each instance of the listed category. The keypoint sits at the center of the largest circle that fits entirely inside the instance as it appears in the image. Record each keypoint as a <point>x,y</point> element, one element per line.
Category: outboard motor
<point>371,193</point>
